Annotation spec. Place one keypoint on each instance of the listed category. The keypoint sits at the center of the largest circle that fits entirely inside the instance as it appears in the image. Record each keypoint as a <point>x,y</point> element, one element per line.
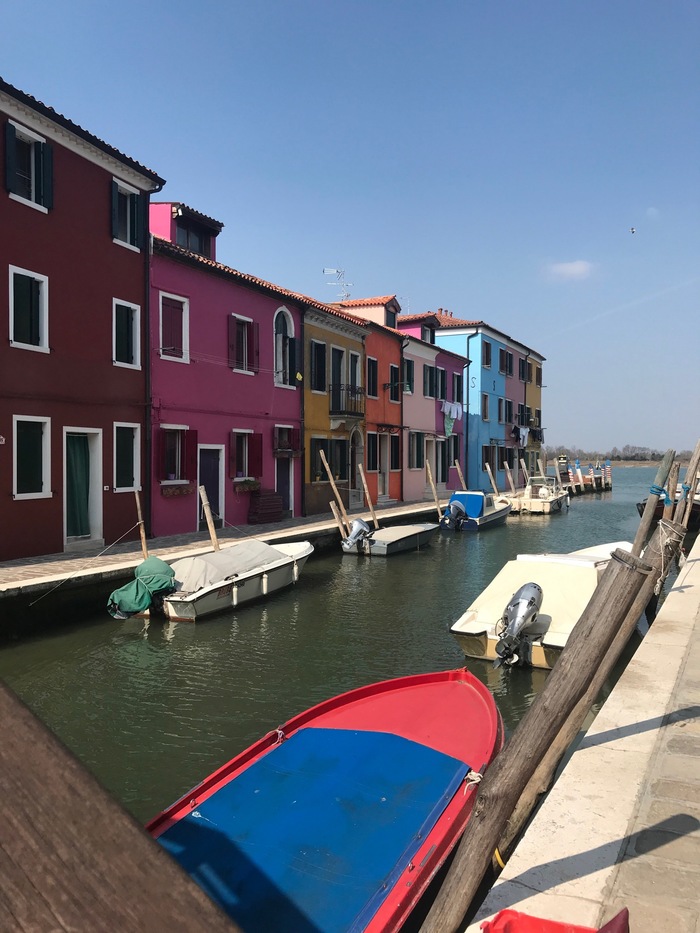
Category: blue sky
<point>488,157</point>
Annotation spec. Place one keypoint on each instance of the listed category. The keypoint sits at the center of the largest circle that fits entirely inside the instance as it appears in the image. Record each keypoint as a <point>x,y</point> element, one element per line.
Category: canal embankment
<point>621,825</point>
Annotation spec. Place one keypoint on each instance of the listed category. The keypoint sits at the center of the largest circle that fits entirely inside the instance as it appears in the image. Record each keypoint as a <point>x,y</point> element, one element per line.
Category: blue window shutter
<point>115,210</point>
<point>10,157</point>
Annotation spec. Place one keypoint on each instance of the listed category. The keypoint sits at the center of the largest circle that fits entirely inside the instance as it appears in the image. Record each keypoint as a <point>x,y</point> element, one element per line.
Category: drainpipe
<point>147,362</point>
<point>302,459</point>
<point>466,414</point>
<point>404,343</point>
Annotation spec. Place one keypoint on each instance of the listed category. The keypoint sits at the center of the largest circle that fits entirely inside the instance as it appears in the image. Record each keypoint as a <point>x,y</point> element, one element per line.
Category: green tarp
<point>152,577</point>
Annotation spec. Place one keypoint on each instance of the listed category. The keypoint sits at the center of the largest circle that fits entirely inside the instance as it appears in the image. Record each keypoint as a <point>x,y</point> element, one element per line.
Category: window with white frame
<point>486,354</point>
<point>372,377</point>
<point>29,310</point>
<point>441,383</point>
<point>285,349</point>
<point>174,328</point>
<point>457,384</point>
<point>127,456</point>
<point>245,455</point>
<point>31,466</point>
<point>394,452</point>
<point>318,367</point>
<point>354,380</point>
<point>394,386</point>
<point>416,450</point>
<point>505,361</point>
<point>453,449</point>
<point>127,214</point>
<point>126,334</point>
<point>243,344</point>
<point>28,166</point>
<point>177,454</point>
<point>429,381</point>
<point>408,375</point>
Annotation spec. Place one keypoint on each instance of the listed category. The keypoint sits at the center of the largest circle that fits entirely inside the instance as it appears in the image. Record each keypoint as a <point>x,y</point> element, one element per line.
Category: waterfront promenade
<point>621,826</point>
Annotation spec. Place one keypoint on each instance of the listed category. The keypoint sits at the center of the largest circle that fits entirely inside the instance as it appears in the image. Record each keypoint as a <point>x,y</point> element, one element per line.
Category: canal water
<point>153,707</point>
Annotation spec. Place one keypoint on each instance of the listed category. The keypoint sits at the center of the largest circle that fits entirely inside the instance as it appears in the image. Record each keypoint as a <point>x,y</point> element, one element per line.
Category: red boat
<point>339,819</point>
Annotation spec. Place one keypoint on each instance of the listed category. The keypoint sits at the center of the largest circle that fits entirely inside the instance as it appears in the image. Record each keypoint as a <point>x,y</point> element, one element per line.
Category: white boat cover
<point>194,573</point>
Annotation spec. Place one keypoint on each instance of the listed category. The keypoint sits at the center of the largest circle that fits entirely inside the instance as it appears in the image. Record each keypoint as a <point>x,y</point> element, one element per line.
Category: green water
<point>152,708</point>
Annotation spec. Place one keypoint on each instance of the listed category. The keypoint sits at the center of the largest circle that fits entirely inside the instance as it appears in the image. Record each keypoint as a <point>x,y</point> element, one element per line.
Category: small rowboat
<point>339,819</point>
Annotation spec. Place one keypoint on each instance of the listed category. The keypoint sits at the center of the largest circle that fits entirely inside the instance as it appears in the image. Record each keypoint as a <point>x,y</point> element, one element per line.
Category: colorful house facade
<point>74,308</point>
<point>226,395</point>
<point>502,401</point>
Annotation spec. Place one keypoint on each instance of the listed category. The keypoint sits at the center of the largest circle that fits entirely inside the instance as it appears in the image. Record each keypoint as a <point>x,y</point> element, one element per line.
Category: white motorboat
<point>473,510</point>
<point>247,570</point>
<point>384,542</point>
<point>542,495</point>
<point>527,612</point>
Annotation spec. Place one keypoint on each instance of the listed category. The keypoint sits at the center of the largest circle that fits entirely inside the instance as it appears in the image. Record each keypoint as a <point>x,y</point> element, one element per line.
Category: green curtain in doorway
<point>77,485</point>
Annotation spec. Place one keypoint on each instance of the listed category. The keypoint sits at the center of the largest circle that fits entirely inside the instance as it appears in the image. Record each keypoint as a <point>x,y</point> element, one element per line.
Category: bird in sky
<point>632,230</point>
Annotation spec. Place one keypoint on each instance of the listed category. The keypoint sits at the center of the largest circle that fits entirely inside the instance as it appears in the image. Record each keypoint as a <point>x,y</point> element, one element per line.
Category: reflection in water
<point>153,706</point>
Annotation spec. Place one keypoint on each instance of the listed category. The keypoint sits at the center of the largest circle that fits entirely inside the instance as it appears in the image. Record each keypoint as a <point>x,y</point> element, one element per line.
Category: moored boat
<point>339,819</point>
<point>527,612</point>
<point>473,510</point>
<point>203,584</point>
<point>542,495</point>
<point>384,542</point>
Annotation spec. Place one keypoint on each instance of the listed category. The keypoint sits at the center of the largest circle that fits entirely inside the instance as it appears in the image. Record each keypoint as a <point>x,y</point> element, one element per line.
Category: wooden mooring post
<point>647,519</point>
<point>142,530</point>
<point>507,777</point>
<point>210,520</point>
<point>73,858</point>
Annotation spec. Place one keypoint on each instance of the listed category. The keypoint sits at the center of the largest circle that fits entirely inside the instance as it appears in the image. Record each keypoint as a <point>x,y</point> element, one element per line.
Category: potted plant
<point>247,485</point>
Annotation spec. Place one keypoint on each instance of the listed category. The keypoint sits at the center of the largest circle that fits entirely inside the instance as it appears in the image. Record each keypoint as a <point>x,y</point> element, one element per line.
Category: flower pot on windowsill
<point>247,485</point>
<point>181,489</point>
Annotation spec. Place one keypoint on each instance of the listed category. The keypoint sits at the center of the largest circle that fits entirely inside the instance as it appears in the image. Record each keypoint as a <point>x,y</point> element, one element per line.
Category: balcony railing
<point>347,400</point>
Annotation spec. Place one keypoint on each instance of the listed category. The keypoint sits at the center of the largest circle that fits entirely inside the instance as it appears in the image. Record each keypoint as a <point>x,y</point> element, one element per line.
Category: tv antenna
<point>339,281</point>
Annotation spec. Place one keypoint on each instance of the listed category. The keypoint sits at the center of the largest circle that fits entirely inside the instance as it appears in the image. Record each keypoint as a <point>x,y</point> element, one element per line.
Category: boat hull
<point>244,588</point>
<point>385,542</point>
<point>340,819</point>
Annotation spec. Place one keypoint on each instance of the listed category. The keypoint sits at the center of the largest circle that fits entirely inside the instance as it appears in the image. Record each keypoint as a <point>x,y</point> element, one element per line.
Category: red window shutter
<point>255,455</point>
<point>275,438</point>
<point>296,439</point>
<point>232,467</point>
<point>232,325</point>
<point>254,348</point>
<point>190,455</point>
<point>160,456</point>
<point>171,327</point>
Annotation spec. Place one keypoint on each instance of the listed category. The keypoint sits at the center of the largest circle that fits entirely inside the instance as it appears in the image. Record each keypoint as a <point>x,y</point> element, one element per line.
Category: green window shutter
<point>29,456</point>
<point>10,158</point>
<point>124,334</point>
<point>134,218</point>
<point>115,210</point>
<point>45,175</point>
<point>124,458</point>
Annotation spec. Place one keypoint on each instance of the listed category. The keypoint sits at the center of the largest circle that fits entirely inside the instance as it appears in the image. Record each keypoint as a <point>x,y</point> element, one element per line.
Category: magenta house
<point>226,397</point>
<point>73,312</point>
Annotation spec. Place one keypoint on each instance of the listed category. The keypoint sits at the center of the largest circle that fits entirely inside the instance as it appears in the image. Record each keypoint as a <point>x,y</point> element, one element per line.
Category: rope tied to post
<point>660,491</point>
<point>472,779</point>
<point>685,489</point>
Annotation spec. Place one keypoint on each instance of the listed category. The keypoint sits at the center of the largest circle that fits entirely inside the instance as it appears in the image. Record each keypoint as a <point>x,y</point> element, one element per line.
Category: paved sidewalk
<point>621,826</point>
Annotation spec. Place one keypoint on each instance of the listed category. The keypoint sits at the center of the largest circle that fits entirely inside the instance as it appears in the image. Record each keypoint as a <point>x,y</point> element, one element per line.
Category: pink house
<point>225,395</point>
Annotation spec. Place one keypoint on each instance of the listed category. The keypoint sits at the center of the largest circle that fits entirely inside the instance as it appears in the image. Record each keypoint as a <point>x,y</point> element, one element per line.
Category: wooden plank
<point>361,471</point>
<point>460,474</point>
<point>432,486</point>
<point>336,492</point>
<point>71,857</point>
<point>493,481</point>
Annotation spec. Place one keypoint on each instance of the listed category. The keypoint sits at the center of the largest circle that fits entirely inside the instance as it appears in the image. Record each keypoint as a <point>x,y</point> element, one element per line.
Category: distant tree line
<point>628,452</point>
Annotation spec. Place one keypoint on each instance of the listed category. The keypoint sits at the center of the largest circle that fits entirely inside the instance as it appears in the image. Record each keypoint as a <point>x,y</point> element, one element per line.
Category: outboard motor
<point>359,534</point>
<point>454,516</point>
<point>516,623</point>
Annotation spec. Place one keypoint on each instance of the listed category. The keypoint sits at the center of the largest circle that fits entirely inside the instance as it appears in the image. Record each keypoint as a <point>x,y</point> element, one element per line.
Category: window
<point>486,354</point>
<point>372,452</point>
<point>245,455</point>
<point>354,374</point>
<point>457,387</point>
<point>28,167</point>
<point>193,237</point>
<point>29,310</point>
<point>339,458</point>
<point>408,375</point>
<point>429,381</point>
<point>177,454</point>
<point>285,349</point>
<point>506,456</point>
<point>318,367</point>
<point>488,457</point>
<point>174,328</point>
<point>127,444</point>
<point>441,380</point>
<point>484,407</point>
<point>501,410</point>
<point>243,344</point>
<point>394,388</point>
<point>538,376</point>
<point>336,452</point>
<point>390,318</point>
<point>372,383</point>
<point>505,362</point>
<point>32,457</point>
<point>509,411</point>
<point>416,450</point>
<point>453,449</point>
<point>127,214</point>
<point>538,417</point>
<point>427,334</point>
<point>394,452</point>
<point>286,441</point>
<point>525,370</point>
<point>126,342</point>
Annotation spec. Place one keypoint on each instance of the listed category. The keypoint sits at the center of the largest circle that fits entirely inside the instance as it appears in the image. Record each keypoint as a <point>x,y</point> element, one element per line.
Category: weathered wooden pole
<point>207,514</point>
<point>671,487</point>
<point>361,470</point>
<point>493,481</point>
<point>509,477</point>
<point>647,519</point>
<point>512,769</point>
<point>432,486</point>
<point>460,474</point>
<point>663,547</point>
<point>336,493</point>
<point>339,520</point>
<point>683,515</point>
<point>526,475</point>
<point>142,530</point>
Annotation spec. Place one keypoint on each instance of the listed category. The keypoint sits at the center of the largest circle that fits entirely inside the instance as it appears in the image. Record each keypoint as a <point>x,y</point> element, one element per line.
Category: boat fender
<point>234,595</point>
<point>264,584</point>
<point>295,571</point>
